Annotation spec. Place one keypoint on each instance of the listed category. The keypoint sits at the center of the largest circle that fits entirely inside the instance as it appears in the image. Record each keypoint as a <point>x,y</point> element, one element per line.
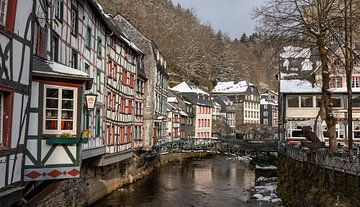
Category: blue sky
<point>230,16</point>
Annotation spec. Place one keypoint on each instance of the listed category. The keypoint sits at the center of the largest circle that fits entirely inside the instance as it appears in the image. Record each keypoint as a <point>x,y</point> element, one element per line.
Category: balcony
<point>93,148</point>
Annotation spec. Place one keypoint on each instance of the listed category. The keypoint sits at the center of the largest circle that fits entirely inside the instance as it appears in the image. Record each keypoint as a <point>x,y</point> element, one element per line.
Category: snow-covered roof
<point>184,87</point>
<point>172,100</point>
<point>231,87</point>
<point>298,86</point>
<point>42,66</point>
<point>183,113</point>
<point>263,101</point>
<point>295,52</point>
<point>299,53</point>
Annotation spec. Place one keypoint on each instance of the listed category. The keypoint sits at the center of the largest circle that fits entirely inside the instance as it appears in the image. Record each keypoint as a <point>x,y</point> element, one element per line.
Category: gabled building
<point>180,117</point>
<point>300,94</point>
<point>269,108</point>
<point>173,120</point>
<point>244,101</point>
<point>202,107</point>
<point>155,112</point>
<point>16,45</point>
<point>86,54</point>
<point>268,113</point>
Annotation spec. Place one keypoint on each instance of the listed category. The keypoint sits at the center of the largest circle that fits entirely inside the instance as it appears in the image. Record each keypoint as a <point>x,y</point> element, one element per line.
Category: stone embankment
<point>306,183</point>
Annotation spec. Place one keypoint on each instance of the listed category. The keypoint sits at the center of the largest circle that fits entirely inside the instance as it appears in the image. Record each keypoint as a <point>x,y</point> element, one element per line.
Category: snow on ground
<point>265,192</point>
<point>269,167</point>
<point>245,159</point>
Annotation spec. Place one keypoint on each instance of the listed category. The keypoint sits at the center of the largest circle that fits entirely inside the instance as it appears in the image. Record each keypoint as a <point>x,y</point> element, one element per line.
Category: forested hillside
<point>195,51</point>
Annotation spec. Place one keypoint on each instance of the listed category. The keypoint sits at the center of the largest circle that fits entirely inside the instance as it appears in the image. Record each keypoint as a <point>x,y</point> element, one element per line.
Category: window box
<point>84,140</point>
<point>62,140</point>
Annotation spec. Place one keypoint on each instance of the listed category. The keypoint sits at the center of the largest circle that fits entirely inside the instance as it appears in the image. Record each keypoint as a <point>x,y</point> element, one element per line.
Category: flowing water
<point>215,181</point>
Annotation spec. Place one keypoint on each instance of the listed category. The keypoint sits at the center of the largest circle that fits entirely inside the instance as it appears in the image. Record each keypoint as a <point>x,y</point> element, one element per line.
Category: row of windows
<point>127,78</point>
<point>337,82</point>
<point>113,101</point>
<point>294,129</point>
<point>203,122</point>
<point>203,134</point>
<point>251,106</point>
<point>252,114</point>
<point>314,101</point>
<point>204,110</point>
<point>121,136</point>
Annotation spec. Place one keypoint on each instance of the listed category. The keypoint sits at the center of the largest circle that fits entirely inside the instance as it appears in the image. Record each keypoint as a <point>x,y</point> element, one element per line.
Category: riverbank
<point>97,182</point>
<point>304,184</point>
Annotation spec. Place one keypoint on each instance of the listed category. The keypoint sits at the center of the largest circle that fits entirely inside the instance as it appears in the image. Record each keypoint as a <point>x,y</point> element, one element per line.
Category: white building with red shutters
<point>202,105</point>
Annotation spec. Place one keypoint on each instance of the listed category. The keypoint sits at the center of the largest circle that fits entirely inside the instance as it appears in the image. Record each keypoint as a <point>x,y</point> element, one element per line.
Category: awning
<point>46,68</point>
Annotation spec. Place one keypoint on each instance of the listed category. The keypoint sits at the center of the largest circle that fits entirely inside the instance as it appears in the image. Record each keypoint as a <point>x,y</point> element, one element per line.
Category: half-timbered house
<point>155,112</point>
<point>16,26</point>
<point>69,54</point>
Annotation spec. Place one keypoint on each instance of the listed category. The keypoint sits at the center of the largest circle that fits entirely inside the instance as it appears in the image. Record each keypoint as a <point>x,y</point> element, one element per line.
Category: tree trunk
<point>326,95</point>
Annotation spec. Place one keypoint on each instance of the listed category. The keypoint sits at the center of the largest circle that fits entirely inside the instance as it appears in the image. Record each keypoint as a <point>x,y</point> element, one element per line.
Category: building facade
<point>242,98</point>
<point>269,109</point>
<point>155,111</point>
<point>16,29</point>
<point>202,108</point>
<point>300,98</point>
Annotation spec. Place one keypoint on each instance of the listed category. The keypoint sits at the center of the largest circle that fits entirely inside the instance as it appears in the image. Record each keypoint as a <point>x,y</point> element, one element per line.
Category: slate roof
<point>203,100</point>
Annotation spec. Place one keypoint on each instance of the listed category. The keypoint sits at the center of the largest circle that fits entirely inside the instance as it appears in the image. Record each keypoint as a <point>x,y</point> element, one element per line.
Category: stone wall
<point>305,184</point>
<point>97,182</point>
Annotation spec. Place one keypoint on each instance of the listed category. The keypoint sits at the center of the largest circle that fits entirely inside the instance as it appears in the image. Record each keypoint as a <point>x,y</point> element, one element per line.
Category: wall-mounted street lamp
<point>90,101</point>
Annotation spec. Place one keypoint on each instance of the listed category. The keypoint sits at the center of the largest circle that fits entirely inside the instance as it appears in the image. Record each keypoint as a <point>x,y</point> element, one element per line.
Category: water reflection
<point>209,182</point>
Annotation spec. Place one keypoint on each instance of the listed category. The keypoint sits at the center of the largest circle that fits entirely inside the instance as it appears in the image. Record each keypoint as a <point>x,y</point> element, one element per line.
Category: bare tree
<point>309,23</point>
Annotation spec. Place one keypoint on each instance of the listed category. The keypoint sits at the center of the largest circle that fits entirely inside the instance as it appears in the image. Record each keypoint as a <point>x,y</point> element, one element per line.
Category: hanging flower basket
<point>85,136</point>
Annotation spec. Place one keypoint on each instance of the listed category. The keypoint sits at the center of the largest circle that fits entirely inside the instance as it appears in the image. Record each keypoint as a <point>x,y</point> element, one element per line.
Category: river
<point>216,181</point>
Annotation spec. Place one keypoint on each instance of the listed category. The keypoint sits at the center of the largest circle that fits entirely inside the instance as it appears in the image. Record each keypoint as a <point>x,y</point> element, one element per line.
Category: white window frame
<point>75,118</point>
<point>336,82</point>
<point>355,82</point>
<point>59,9</point>
<point>1,117</point>
<point>265,121</point>
<point>3,5</point>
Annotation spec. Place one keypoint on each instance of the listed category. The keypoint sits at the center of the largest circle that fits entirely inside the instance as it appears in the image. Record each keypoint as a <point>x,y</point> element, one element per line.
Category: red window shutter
<point>115,71</point>
<point>11,15</point>
<point>110,68</point>
<point>129,134</point>
<point>132,81</point>
<point>130,107</point>
<point>108,134</point>
<point>113,134</point>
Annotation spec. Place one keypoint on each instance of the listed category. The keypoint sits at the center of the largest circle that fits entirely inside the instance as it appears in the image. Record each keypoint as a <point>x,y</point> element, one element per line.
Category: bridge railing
<point>338,161</point>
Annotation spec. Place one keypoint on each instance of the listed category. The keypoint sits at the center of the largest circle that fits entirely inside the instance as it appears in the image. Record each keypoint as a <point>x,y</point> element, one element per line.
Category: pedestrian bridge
<point>220,146</point>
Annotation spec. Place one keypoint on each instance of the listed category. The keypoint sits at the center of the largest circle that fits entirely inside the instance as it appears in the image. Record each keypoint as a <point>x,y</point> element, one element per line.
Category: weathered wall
<point>303,184</point>
<point>97,182</point>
